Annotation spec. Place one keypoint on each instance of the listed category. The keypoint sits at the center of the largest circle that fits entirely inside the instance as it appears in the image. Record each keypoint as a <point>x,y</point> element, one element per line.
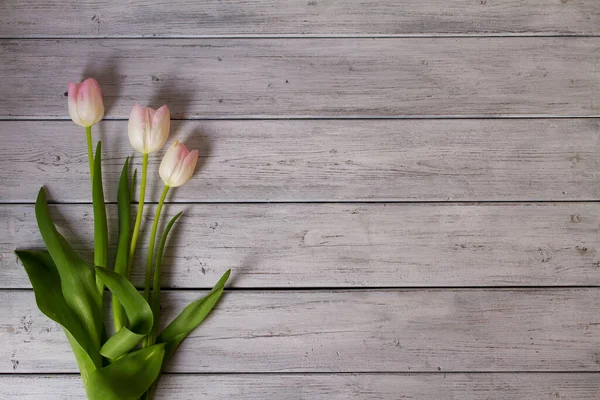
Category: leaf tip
<point>41,197</point>
<point>226,276</point>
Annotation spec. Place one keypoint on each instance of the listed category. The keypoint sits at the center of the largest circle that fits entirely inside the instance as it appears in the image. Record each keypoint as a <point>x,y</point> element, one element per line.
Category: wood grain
<point>336,104</point>
<point>323,160</point>
<point>288,78</point>
<point>505,386</point>
<point>152,18</point>
<point>342,245</point>
<point>349,331</point>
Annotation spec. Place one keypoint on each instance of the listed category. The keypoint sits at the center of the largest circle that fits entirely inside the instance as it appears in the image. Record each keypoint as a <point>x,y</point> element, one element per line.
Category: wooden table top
<point>406,191</point>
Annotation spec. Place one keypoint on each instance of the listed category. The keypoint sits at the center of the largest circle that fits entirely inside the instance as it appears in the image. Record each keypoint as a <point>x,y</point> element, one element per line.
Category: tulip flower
<point>178,165</point>
<point>176,168</point>
<point>148,129</point>
<point>86,107</point>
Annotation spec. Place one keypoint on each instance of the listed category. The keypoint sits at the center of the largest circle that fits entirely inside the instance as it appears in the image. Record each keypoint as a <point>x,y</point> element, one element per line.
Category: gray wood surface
<point>347,245</point>
<point>288,78</point>
<point>106,18</point>
<point>349,331</point>
<point>323,160</point>
<point>489,386</point>
<point>380,175</point>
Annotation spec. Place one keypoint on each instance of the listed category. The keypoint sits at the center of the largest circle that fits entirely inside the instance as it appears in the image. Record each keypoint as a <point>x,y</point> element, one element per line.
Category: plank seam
<point>324,118</point>
<point>394,373</point>
<point>309,36</point>
<point>332,202</point>
<point>342,289</point>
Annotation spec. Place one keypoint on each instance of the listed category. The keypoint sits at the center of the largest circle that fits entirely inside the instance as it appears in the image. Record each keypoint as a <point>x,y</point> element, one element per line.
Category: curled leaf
<point>129,377</point>
<point>137,309</point>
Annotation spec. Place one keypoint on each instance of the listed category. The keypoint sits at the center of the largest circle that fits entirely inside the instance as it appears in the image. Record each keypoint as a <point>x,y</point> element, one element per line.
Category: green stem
<point>152,241</point>
<point>155,297</point>
<point>138,218</point>
<point>88,134</point>
<point>148,279</point>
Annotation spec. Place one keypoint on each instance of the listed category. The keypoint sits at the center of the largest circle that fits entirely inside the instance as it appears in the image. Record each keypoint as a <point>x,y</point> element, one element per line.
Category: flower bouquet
<point>126,363</point>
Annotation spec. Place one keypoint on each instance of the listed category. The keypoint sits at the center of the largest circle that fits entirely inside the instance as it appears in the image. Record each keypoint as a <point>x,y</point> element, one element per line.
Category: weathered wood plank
<point>337,245</point>
<point>350,331</point>
<point>505,386</point>
<point>324,160</point>
<point>206,78</point>
<point>30,18</point>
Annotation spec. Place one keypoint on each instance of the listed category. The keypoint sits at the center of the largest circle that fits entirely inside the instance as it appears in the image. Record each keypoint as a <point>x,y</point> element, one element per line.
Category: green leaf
<point>124,206</point>
<point>100,225</point>
<point>190,318</point>
<point>137,309</point>
<point>76,278</point>
<point>121,260</point>
<point>50,300</point>
<point>128,377</point>
<point>155,299</point>
<point>132,186</point>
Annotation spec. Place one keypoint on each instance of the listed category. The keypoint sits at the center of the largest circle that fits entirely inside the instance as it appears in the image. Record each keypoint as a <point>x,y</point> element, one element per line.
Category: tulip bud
<point>86,107</point>
<point>148,129</point>
<point>178,165</point>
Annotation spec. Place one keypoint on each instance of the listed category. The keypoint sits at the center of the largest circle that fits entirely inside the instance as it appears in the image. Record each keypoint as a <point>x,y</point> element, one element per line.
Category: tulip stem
<point>151,250</point>
<point>138,218</point>
<point>88,134</point>
<point>152,241</point>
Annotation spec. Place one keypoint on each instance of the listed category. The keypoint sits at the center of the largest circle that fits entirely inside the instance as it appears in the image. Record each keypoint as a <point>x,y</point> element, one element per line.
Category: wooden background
<point>406,191</point>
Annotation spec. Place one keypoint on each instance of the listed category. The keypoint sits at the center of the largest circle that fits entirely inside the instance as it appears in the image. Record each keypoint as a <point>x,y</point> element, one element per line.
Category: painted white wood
<point>342,245</point>
<point>349,331</point>
<point>286,78</point>
<point>322,160</point>
<point>101,18</point>
<point>362,344</point>
<point>505,386</point>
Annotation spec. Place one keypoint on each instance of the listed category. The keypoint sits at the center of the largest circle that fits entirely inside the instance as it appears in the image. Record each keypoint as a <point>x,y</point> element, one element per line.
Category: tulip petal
<point>137,119</point>
<point>169,162</point>
<point>188,167</point>
<point>90,107</point>
<point>161,125</point>
<point>72,101</point>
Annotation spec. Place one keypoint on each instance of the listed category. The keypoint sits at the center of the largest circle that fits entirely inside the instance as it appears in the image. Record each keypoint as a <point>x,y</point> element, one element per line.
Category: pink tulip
<point>178,165</point>
<point>86,107</point>
<point>148,129</point>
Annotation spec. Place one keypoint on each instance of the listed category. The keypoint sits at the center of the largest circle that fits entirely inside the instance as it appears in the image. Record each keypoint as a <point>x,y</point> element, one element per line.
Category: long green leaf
<point>155,299</point>
<point>124,211</point>
<point>123,200</point>
<point>84,362</point>
<point>137,309</point>
<point>132,186</point>
<point>190,318</point>
<point>50,300</point>
<point>100,225</point>
<point>76,277</point>
<point>128,377</point>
